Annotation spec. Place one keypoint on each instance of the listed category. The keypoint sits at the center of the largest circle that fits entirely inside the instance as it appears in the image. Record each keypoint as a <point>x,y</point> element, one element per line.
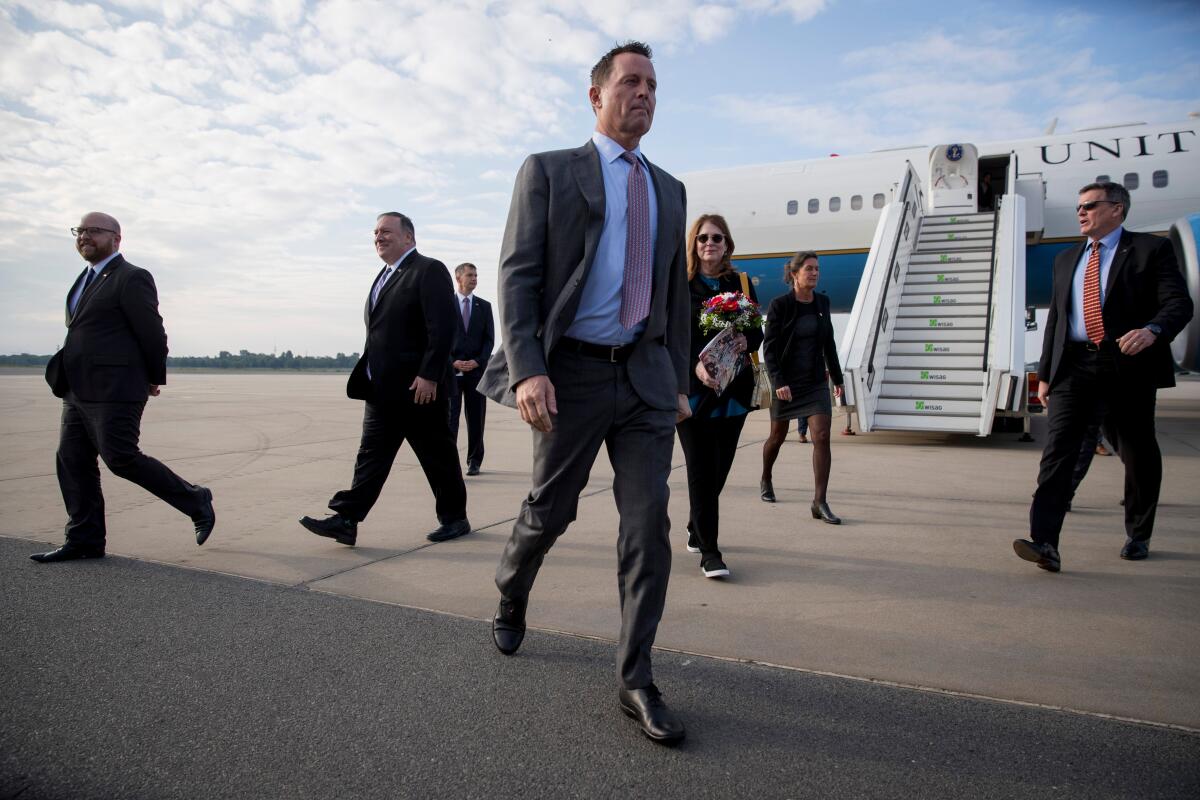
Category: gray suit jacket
<point>550,240</point>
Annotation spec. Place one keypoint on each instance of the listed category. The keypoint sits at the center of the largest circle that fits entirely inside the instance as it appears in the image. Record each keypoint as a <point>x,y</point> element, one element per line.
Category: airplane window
<point>877,201</point>
<point>814,206</point>
<point>793,206</point>
<point>856,202</point>
<point>1102,179</point>
<point>1159,178</point>
<point>1131,180</point>
<point>835,204</point>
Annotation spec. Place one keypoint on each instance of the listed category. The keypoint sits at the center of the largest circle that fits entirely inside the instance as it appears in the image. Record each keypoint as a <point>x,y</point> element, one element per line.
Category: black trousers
<point>598,406</point>
<point>465,397</point>
<point>110,431</point>
<point>709,446</point>
<point>1092,389</point>
<point>425,429</point>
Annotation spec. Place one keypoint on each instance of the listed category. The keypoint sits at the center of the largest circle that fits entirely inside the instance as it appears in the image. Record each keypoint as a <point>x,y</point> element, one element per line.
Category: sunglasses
<point>1089,205</point>
<point>715,238</point>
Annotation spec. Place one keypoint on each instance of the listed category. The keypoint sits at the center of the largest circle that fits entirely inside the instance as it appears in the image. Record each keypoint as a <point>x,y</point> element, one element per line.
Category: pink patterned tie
<point>635,286</point>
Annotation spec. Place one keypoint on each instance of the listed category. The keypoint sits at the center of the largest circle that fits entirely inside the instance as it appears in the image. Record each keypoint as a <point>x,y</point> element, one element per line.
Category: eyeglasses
<point>89,231</point>
<point>1090,204</point>
<point>715,238</point>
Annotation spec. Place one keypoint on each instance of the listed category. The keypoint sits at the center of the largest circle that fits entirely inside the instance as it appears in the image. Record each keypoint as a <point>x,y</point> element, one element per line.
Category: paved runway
<point>123,678</point>
<point>918,589</point>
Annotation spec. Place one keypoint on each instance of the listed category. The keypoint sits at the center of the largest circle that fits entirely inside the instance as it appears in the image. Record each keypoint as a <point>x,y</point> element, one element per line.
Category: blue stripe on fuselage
<point>841,273</point>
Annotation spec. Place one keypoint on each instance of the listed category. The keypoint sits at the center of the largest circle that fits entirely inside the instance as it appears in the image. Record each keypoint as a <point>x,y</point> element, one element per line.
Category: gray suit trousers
<point>597,405</point>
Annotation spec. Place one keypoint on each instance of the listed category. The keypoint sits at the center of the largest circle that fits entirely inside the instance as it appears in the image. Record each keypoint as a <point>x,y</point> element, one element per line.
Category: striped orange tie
<point>1093,317</point>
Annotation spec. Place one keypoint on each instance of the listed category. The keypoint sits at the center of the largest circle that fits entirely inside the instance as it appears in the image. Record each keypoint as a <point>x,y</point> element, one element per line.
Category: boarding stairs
<point>935,340</point>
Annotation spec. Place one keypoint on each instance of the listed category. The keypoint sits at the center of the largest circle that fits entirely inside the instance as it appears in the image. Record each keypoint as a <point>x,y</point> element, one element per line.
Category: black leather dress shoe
<point>1135,551</point>
<point>822,512</point>
<point>341,529</point>
<point>68,552</point>
<point>508,626</point>
<point>207,519</point>
<point>451,530</point>
<point>472,469</point>
<point>1041,553</point>
<point>766,491</point>
<point>646,707</point>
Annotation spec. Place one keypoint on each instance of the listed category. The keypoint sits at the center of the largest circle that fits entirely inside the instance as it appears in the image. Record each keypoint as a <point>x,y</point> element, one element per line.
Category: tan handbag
<point>762,382</point>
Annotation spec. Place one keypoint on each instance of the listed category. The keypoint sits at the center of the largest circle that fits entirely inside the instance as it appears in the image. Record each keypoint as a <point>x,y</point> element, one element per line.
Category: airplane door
<point>953,174</point>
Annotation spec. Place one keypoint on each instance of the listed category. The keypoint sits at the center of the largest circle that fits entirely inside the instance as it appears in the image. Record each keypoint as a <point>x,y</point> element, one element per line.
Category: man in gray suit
<point>594,317</point>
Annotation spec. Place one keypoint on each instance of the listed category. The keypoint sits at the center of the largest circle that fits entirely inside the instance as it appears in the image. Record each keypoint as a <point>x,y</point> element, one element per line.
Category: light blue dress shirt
<point>598,318</point>
<point>1108,249</point>
<point>96,268</point>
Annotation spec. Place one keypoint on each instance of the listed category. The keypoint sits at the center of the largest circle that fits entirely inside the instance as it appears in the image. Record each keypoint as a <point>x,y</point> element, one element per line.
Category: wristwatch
<point>1155,329</point>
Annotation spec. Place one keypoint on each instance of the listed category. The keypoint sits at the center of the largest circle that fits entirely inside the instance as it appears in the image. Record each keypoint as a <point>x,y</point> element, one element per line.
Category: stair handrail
<point>911,180</point>
<point>1004,342</point>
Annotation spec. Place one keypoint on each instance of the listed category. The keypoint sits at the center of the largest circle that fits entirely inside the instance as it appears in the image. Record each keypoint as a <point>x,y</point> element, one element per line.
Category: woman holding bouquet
<point>710,436</point>
<point>799,351</point>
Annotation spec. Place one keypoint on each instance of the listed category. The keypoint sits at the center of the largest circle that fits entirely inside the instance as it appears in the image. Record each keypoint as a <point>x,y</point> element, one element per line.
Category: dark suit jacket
<point>116,345</point>
<point>781,319</point>
<point>409,333</point>
<point>475,343</point>
<point>1144,286</point>
<point>550,240</point>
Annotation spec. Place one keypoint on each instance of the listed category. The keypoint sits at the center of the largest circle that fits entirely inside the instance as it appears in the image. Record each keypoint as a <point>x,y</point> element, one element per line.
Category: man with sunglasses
<point>114,359</point>
<point>1118,301</point>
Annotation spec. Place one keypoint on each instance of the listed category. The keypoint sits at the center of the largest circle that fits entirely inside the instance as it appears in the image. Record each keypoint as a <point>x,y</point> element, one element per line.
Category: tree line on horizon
<point>243,359</point>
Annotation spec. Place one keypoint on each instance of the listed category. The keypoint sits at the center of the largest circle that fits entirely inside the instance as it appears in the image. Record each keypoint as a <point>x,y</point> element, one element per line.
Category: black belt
<point>1089,347</point>
<point>613,354</point>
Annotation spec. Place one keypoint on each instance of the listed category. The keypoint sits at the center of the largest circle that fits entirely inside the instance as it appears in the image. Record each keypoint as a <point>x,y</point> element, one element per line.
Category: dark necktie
<point>466,313</point>
<point>1093,316</point>
<point>635,286</point>
<point>387,273</point>
<point>87,281</point>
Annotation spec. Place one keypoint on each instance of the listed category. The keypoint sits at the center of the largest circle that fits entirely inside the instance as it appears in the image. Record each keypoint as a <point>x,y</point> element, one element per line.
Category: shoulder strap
<point>746,293</point>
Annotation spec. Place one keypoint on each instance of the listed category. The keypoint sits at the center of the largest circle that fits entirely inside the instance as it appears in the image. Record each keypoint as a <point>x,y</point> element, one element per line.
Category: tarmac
<point>906,653</point>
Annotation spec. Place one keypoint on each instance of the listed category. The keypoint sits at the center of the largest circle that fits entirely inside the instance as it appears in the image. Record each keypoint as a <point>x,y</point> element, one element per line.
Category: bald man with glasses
<point>113,360</point>
<point>1118,301</point>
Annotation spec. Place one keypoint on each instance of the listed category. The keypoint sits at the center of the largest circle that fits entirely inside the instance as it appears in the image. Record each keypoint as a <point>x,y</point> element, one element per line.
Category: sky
<point>246,147</point>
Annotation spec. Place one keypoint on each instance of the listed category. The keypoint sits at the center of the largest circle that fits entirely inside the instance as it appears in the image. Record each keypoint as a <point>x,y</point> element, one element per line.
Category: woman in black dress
<point>800,353</point>
<point>709,437</point>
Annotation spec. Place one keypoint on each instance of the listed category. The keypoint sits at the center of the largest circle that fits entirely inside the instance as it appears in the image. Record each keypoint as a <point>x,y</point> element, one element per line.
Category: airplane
<point>841,205</point>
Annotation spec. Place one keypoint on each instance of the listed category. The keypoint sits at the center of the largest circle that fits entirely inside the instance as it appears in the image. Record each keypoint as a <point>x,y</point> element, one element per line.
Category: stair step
<point>983,226</point>
<point>948,298</point>
<point>952,219</point>
<point>938,234</point>
<point>923,322</point>
<point>956,286</point>
<point>942,245</point>
<point>942,276</point>
<point>925,422</point>
<point>928,334</point>
<point>965,259</point>
<point>942,348</point>
<point>932,361</point>
<point>921,407</point>
<point>966,377</point>
<point>929,392</point>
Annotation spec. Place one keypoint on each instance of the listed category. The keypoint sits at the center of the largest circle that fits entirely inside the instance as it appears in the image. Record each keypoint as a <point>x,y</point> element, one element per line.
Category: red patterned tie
<point>1093,317</point>
<point>635,286</point>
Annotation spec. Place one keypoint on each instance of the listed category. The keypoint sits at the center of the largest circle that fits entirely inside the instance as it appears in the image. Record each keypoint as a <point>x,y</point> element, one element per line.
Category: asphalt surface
<point>122,678</point>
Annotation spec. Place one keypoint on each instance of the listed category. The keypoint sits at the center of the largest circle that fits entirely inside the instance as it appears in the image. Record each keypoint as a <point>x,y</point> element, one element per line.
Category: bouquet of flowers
<point>731,313</point>
<point>730,310</point>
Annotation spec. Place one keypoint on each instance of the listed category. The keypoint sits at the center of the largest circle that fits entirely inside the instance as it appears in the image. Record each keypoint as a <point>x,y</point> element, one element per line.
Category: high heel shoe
<point>821,511</point>
<point>766,491</point>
